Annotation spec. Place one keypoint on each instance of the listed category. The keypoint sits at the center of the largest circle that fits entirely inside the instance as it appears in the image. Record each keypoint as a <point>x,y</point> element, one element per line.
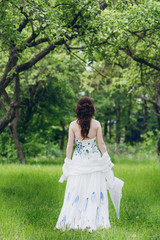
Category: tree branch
<point>3,106</point>
<point>11,63</point>
<point>37,57</point>
<point>25,21</point>
<point>20,68</point>
<point>79,13</point>
<point>141,60</point>
<point>157,114</point>
<point>139,37</point>
<point>93,45</point>
<point>13,58</point>
<point>6,97</point>
<point>62,4</point>
<point>79,58</point>
<point>138,59</point>
<point>32,37</point>
<point>140,31</point>
<point>22,25</point>
<point>10,114</point>
<point>39,41</point>
<point>149,100</point>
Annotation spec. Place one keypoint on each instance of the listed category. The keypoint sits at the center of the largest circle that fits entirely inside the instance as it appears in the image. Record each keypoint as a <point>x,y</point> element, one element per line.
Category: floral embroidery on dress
<point>85,148</point>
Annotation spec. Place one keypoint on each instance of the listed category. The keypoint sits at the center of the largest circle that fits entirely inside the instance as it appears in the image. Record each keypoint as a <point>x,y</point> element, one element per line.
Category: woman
<point>85,203</point>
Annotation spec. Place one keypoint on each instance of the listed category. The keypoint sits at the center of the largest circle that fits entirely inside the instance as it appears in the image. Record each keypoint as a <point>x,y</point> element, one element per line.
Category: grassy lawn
<point>31,198</point>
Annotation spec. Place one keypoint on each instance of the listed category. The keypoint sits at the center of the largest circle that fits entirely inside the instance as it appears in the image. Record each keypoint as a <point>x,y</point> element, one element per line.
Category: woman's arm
<point>70,142</point>
<point>101,143</point>
<point>100,140</point>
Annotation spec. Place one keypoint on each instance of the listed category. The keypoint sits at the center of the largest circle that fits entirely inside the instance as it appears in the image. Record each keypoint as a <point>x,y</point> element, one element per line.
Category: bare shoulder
<point>73,123</point>
<point>96,122</point>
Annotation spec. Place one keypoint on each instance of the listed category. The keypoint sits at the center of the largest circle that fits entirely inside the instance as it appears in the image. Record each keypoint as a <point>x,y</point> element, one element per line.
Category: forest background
<point>53,52</point>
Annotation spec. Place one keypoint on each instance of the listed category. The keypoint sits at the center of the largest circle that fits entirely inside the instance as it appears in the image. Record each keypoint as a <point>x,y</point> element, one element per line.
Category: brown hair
<point>85,110</point>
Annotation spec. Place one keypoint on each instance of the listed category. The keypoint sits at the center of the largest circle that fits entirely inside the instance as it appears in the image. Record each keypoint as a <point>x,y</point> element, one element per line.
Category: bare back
<point>92,132</point>
<point>75,133</point>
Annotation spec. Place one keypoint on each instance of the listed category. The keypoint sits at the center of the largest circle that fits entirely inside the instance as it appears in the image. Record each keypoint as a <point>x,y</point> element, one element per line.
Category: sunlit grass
<point>31,199</point>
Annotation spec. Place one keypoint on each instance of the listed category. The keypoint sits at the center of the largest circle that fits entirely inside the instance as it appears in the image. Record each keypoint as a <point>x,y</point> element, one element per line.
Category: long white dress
<point>89,175</point>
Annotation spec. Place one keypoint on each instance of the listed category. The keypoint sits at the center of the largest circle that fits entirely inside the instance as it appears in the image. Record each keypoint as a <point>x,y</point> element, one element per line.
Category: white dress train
<point>89,175</point>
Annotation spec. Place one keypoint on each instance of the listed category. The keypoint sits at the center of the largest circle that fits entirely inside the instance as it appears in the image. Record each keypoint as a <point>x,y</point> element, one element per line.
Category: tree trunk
<point>62,135</point>
<point>105,128</point>
<point>110,129</point>
<point>126,134</point>
<point>13,130</point>
<point>13,126</point>
<point>145,116</point>
<point>158,118</point>
<point>158,147</point>
<point>127,126</point>
<point>159,123</point>
<point>10,114</point>
<point>117,121</point>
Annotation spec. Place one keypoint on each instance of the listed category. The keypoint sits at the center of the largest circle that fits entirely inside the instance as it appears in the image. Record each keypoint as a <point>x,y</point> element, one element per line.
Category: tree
<point>132,43</point>
<point>30,30</point>
<point>49,102</point>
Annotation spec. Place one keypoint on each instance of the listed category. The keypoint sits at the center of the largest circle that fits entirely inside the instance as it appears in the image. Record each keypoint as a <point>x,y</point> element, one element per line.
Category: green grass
<point>31,199</point>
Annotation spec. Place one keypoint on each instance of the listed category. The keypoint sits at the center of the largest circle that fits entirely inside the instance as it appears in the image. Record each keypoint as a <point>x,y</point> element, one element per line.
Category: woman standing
<point>89,175</point>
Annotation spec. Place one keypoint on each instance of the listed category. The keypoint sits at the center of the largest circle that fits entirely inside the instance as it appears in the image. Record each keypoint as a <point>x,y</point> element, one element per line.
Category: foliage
<point>31,30</point>
<point>35,151</point>
<point>52,101</point>
<point>8,152</point>
<point>42,98</point>
<point>149,139</point>
<point>132,31</point>
<point>108,52</point>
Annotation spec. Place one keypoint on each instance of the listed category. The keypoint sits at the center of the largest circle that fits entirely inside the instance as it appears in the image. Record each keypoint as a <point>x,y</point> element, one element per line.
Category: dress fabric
<point>89,175</point>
